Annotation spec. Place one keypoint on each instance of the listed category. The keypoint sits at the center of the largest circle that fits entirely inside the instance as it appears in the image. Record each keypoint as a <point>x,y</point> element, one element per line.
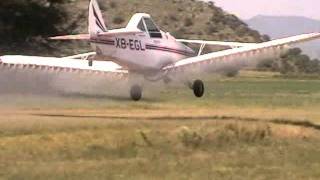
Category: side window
<point>141,26</point>
<point>152,28</point>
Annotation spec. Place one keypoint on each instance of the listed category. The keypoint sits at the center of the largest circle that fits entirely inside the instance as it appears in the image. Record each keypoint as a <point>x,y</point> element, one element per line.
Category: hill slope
<point>183,18</point>
<point>288,26</point>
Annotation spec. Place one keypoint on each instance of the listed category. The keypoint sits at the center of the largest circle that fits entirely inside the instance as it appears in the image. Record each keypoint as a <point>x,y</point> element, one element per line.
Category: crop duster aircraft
<point>142,50</point>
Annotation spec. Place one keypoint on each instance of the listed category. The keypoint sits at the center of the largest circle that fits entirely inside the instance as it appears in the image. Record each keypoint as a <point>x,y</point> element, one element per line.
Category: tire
<point>136,92</point>
<point>198,88</point>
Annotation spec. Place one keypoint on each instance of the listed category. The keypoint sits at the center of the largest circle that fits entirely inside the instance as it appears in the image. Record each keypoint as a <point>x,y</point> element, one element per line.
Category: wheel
<point>198,88</point>
<point>136,92</point>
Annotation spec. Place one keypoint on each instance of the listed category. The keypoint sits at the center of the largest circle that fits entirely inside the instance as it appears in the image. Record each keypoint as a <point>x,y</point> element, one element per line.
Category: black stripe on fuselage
<point>101,41</point>
<point>149,47</point>
<point>167,49</point>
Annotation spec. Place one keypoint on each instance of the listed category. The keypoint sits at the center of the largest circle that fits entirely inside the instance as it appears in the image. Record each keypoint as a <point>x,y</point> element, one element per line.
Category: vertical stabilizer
<point>96,22</point>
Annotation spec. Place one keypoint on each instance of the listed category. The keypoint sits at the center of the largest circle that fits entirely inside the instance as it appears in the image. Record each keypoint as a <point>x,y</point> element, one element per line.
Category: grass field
<point>255,126</point>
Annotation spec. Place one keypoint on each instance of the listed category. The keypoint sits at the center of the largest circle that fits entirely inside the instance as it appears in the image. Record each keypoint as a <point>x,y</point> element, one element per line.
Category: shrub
<point>118,20</point>
<point>173,17</point>
<point>268,65</point>
<point>189,138</point>
<point>211,29</point>
<point>188,22</point>
<point>296,62</point>
<point>113,4</point>
<point>230,72</point>
<point>234,132</point>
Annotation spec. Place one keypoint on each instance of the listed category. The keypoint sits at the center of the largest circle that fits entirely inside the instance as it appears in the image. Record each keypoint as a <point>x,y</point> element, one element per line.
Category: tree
<point>294,61</point>
<point>22,19</point>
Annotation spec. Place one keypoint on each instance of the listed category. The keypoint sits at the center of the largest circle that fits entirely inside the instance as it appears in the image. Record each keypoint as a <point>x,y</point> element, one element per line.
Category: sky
<point>246,9</point>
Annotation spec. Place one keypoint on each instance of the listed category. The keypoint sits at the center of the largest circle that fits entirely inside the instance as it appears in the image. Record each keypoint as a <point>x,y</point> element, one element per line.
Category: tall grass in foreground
<point>197,149</point>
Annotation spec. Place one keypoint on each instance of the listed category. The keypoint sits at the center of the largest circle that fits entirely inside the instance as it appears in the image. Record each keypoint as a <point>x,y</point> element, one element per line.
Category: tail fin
<point>96,22</point>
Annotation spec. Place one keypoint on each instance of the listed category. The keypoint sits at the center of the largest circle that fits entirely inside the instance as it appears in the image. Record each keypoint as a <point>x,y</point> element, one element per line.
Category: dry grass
<point>63,148</point>
<point>234,133</point>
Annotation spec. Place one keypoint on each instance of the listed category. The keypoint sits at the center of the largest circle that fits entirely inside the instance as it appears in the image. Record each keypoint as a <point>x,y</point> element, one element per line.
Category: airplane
<point>143,52</point>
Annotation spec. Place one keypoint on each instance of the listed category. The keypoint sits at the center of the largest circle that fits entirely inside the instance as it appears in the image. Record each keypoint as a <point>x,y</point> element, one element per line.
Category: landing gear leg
<point>136,92</point>
<point>90,63</point>
<point>198,88</point>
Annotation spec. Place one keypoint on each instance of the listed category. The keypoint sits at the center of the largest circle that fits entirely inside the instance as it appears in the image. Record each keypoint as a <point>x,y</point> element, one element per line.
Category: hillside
<point>288,26</point>
<point>183,18</point>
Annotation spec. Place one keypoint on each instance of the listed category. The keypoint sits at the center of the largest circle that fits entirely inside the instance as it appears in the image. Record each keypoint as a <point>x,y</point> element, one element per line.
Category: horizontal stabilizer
<point>72,37</point>
<point>115,32</point>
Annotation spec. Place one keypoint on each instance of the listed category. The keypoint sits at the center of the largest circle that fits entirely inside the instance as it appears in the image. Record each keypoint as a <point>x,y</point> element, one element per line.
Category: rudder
<point>96,22</point>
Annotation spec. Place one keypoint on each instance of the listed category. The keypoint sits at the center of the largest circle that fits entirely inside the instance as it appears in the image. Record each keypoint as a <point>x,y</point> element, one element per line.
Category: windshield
<point>141,26</point>
<point>150,25</point>
<point>152,28</point>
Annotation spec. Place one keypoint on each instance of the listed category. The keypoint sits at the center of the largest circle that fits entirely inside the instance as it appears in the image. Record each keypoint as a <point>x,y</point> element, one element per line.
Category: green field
<point>255,126</point>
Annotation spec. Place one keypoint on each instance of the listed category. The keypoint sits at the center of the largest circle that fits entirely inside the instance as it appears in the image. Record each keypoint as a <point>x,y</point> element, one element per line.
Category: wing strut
<point>203,45</point>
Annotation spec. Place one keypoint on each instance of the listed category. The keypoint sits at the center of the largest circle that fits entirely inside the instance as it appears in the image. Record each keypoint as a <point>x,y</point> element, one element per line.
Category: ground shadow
<point>106,97</point>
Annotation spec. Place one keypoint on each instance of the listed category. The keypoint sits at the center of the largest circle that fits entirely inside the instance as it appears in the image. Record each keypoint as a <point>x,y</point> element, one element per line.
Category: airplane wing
<point>62,65</point>
<point>238,57</point>
<point>217,43</point>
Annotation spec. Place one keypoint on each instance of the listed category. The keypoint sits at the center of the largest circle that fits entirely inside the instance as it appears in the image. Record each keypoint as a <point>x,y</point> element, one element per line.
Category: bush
<point>268,65</point>
<point>230,72</point>
<point>211,4</point>
<point>234,132</point>
<point>189,138</point>
<point>118,20</point>
<point>266,37</point>
<point>296,62</point>
<point>180,33</point>
<point>294,52</point>
<point>188,22</point>
<point>211,29</point>
<point>173,17</point>
<point>113,4</point>
<point>293,62</point>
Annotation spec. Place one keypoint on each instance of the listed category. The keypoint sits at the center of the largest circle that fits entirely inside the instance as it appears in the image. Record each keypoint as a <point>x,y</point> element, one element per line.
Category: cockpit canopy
<point>146,24</point>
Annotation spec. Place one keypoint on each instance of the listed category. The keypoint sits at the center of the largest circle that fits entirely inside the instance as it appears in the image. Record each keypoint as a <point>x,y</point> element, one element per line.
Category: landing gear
<point>90,63</point>
<point>136,92</point>
<point>198,88</point>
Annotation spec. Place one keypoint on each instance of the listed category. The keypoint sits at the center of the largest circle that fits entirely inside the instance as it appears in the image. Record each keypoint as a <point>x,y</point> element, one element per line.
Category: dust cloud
<point>36,82</point>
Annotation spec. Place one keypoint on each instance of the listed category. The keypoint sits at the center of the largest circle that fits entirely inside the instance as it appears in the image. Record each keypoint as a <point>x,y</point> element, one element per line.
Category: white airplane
<point>142,50</point>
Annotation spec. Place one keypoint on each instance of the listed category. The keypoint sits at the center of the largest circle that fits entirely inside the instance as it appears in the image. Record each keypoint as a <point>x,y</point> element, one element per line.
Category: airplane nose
<point>188,49</point>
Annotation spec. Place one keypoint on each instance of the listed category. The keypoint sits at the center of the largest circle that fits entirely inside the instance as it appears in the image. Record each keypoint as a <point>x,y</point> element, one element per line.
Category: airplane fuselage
<point>140,52</point>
